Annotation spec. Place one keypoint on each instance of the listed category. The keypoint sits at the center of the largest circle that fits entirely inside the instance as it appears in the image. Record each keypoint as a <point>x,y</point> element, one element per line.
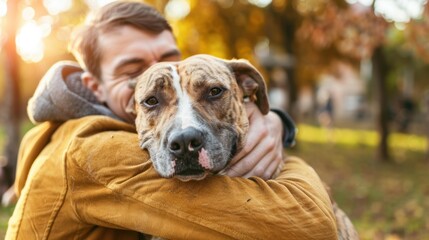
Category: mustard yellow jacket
<point>88,179</point>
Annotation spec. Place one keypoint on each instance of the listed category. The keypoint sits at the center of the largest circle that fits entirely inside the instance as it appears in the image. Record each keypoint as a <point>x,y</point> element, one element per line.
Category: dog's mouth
<point>189,175</point>
<point>190,172</point>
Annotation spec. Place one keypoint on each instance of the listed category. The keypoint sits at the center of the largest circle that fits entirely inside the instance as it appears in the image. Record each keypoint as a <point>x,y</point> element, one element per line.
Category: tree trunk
<point>382,115</point>
<point>288,26</point>
<point>12,97</point>
<point>289,30</point>
<point>426,110</point>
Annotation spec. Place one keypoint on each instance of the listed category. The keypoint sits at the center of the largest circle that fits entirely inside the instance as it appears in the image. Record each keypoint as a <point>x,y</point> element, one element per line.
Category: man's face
<point>126,53</point>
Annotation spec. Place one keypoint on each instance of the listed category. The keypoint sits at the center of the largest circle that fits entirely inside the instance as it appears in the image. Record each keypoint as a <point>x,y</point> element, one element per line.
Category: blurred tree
<point>353,33</point>
<point>380,71</point>
<point>415,51</point>
<point>417,34</point>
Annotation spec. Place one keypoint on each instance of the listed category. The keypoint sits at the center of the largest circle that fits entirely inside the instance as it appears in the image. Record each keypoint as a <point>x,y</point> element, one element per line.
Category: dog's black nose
<point>188,140</point>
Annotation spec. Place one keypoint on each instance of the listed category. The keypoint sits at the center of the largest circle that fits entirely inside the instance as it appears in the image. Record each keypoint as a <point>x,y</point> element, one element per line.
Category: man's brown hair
<point>84,44</point>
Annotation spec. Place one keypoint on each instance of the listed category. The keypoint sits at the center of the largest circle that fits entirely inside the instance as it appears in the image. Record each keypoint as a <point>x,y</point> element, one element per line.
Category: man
<point>87,178</point>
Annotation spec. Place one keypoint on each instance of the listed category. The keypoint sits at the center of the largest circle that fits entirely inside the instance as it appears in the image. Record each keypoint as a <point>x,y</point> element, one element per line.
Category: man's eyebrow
<point>171,53</point>
<point>129,61</point>
<point>124,62</point>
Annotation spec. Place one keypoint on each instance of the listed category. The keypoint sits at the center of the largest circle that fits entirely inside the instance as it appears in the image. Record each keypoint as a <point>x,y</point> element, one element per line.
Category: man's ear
<point>93,84</point>
<point>131,106</point>
<point>251,83</point>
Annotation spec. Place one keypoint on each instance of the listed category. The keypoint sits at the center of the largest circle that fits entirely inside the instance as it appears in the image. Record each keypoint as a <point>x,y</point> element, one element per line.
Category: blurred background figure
<point>325,114</point>
<point>405,113</point>
<point>326,108</point>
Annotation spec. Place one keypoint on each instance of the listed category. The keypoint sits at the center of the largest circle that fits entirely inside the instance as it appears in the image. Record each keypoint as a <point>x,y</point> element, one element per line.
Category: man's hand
<point>263,150</point>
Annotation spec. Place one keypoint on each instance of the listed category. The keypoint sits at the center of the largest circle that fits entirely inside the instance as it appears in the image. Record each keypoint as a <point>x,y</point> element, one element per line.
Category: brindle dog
<point>191,117</point>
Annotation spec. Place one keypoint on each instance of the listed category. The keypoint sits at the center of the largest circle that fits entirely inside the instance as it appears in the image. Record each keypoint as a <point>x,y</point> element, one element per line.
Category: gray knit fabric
<point>61,96</point>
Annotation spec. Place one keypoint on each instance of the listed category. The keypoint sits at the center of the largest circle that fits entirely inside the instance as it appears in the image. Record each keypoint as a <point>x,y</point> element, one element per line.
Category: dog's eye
<point>216,91</point>
<point>151,102</point>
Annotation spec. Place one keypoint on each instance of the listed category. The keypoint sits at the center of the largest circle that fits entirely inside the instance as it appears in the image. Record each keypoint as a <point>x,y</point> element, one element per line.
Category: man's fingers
<point>256,162</point>
<point>254,138</point>
<point>272,170</point>
<point>248,147</point>
<point>263,150</point>
<point>266,167</point>
<point>262,168</point>
<point>243,166</point>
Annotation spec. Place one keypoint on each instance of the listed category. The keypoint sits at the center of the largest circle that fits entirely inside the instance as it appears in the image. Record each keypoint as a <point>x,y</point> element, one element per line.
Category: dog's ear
<point>251,82</point>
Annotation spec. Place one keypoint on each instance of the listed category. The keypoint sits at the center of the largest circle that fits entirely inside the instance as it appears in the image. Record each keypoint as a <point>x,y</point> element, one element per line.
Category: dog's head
<point>190,114</point>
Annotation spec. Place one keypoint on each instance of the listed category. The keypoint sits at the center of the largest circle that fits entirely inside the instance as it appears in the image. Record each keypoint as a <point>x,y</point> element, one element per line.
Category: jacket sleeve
<point>113,184</point>
<point>32,144</point>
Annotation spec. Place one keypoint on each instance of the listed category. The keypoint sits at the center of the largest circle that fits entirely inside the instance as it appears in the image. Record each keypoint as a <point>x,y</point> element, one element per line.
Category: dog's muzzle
<point>187,147</point>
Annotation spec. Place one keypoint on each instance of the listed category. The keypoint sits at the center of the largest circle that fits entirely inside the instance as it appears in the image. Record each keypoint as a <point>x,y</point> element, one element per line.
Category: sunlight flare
<point>29,42</point>
<point>177,9</point>
<point>55,7</point>
<point>28,13</point>
<point>95,4</point>
<point>3,8</point>
<point>260,3</point>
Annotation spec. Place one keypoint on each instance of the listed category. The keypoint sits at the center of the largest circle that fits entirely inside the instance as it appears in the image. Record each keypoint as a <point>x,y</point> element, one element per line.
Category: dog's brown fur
<point>181,92</point>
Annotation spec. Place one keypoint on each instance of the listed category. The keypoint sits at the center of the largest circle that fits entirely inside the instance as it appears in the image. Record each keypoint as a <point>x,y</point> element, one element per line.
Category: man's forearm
<point>294,205</point>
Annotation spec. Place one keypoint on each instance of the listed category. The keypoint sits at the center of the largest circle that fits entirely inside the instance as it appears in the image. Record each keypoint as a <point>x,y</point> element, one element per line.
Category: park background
<point>354,75</point>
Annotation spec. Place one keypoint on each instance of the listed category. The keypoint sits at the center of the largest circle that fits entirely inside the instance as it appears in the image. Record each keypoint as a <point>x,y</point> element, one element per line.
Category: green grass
<point>384,200</point>
<point>353,137</point>
<point>5,213</point>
